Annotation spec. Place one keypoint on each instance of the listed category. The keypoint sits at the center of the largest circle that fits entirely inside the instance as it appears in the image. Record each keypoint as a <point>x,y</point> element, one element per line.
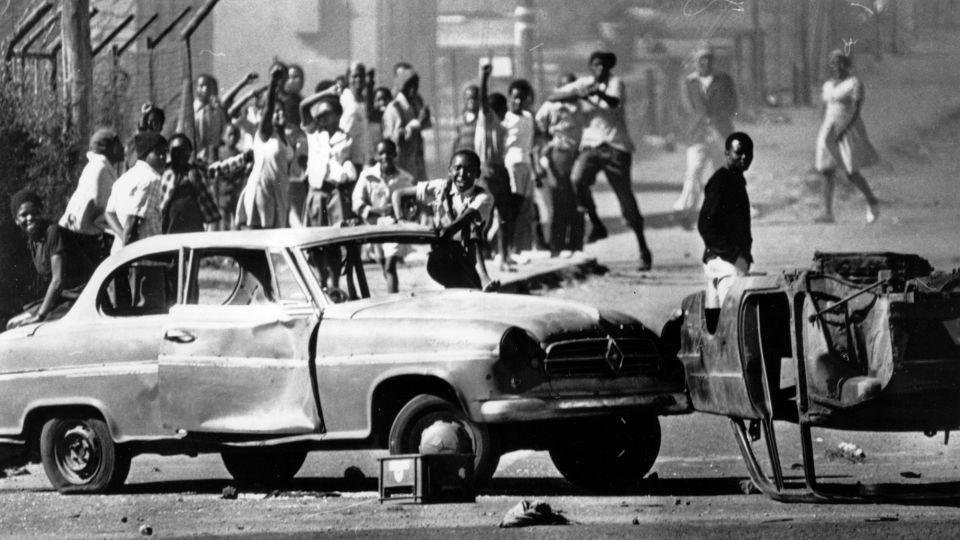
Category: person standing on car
<point>724,224</point>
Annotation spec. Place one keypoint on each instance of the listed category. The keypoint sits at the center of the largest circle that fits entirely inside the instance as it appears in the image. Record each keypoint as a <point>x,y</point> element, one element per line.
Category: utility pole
<point>803,25</point>
<point>524,17</point>
<point>758,63</point>
<point>77,63</point>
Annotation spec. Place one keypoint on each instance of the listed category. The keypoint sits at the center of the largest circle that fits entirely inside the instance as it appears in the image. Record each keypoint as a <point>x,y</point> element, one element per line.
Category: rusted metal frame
<point>815,492</point>
<point>23,29</point>
<point>846,299</point>
<point>153,42</point>
<point>136,35</point>
<point>755,471</point>
<point>116,31</point>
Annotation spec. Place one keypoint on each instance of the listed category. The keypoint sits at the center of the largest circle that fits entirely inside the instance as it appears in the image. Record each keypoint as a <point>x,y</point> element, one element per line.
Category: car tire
<point>422,412</point>
<point>271,468</point>
<point>79,455</point>
<point>610,455</point>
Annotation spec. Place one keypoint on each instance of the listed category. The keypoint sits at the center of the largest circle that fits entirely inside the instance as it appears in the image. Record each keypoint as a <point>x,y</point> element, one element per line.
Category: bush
<point>37,150</point>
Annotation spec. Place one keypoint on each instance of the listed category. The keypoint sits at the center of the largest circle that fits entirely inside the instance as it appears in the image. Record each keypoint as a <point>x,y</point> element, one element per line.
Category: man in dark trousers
<point>710,98</point>
<point>724,224</point>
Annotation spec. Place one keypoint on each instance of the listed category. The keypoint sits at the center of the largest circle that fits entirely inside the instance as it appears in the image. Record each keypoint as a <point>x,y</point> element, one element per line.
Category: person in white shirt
<point>354,121</point>
<point>133,209</point>
<point>461,209</point>
<point>373,202</point>
<point>518,145</point>
<point>84,214</point>
<point>605,145</point>
<point>330,173</point>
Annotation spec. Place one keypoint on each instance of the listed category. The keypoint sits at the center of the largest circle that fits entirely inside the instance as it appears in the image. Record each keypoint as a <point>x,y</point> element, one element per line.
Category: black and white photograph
<point>446,268</point>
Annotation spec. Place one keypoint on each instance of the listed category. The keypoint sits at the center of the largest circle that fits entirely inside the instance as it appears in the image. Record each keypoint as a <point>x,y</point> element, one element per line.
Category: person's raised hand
<point>486,70</point>
<point>252,76</point>
<point>371,75</point>
<point>278,72</point>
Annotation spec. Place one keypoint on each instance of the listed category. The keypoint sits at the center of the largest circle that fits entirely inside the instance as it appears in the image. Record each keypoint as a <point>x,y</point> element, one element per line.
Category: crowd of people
<point>352,152</point>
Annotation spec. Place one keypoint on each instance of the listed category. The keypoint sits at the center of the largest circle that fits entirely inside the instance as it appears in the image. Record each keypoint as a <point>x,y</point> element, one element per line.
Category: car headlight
<point>519,350</point>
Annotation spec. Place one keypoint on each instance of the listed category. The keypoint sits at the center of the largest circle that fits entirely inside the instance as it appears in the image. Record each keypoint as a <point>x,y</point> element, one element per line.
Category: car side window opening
<point>288,288</point>
<point>145,286</point>
<point>357,270</point>
<point>230,277</point>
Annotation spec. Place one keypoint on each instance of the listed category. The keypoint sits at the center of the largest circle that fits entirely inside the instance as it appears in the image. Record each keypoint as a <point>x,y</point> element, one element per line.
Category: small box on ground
<point>427,478</point>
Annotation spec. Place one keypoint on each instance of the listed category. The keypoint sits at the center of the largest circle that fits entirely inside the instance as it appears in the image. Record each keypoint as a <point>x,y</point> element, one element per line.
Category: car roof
<point>270,238</point>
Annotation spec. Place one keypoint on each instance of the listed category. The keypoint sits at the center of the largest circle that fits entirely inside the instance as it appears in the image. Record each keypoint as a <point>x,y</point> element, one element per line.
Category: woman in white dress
<point>264,202</point>
<point>842,141</point>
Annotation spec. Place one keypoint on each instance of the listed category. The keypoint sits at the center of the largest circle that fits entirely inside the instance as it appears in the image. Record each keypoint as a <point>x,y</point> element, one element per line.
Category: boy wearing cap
<point>133,209</point>
<point>84,214</point>
<point>710,97</point>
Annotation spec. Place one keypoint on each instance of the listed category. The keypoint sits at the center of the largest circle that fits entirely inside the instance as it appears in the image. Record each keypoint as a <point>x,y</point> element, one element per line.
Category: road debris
<point>910,474</point>
<point>847,451</point>
<point>229,493</point>
<point>527,513</point>
<point>882,519</point>
<point>146,530</point>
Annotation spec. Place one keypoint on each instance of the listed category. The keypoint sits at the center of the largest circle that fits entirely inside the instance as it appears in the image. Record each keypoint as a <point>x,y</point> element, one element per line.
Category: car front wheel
<point>79,455</point>
<point>609,455</point>
<point>424,411</point>
<point>262,468</point>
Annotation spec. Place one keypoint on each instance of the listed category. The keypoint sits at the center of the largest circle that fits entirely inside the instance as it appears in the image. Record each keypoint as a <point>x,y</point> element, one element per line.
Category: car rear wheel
<point>79,455</point>
<point>262,468</point>
<point>609,455</point>
<point>424,411</point>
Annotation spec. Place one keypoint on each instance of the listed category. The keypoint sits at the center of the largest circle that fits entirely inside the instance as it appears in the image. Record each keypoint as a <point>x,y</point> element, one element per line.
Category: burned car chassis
<point>864,341</point>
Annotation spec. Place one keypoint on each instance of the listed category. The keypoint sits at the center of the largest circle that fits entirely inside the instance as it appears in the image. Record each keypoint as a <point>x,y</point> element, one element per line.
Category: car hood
<point>547,319</point>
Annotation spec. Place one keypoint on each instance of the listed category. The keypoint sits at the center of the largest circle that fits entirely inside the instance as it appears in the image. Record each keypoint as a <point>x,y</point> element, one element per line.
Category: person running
<point>842,141</point>
<point>724,225</point>
<point>263,202</point>
<point>185,203</point>
<point>61,263</point>
<point>605,146</point>
<point>84,214</point>
<point>710,97</point>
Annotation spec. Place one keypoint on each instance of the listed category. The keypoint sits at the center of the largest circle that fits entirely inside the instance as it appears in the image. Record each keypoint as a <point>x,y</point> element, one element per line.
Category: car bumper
<point>530,409</point>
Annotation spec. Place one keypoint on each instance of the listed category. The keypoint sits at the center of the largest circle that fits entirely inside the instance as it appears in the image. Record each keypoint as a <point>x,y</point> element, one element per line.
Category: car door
<point>235,356</point>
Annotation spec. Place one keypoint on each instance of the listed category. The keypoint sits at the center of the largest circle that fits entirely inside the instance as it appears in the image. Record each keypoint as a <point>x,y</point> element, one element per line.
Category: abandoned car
<point>862,341</point>
<point>265,345</point>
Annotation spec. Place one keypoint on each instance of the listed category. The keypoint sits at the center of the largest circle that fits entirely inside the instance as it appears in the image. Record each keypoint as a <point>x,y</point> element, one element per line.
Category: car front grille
<point>602,357</point>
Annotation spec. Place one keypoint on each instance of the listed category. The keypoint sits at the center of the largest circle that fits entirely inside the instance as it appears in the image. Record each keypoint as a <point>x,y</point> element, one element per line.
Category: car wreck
<point>265,345</point>
<point>861,341</point>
